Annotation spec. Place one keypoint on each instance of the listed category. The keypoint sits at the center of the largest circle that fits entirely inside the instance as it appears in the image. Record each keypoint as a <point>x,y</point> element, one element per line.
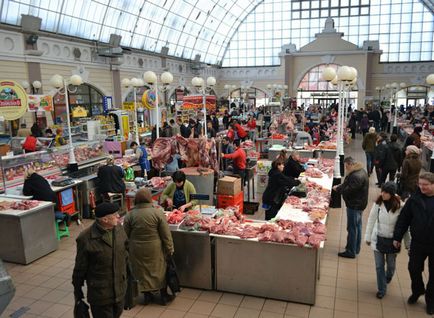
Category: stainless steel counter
<point>270,270</point>
<point>193,259</point>
<point>27,235</point>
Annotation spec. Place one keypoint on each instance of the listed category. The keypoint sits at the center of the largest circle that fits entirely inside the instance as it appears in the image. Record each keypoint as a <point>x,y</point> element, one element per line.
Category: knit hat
<point>106,208</point>
<point>389,187</point>
<point>371,130</point>
<point>413,149</point>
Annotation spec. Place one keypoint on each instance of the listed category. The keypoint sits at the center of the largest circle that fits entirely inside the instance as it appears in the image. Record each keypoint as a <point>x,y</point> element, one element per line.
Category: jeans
<point>354,229</point>
<point>369,161</point>
<point>418,255</point>
<point>383,276</point>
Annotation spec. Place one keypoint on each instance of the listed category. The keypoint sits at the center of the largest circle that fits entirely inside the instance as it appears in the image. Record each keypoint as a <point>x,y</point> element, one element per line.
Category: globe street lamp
<point>69,86</point>
<point>203,88</point>
<point>152,79</point>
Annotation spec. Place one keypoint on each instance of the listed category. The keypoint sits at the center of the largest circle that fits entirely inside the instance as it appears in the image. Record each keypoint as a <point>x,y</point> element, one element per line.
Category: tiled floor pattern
<point>346,288</point>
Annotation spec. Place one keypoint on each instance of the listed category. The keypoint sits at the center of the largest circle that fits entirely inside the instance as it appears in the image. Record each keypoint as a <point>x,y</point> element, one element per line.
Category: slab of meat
<point>319,228</point>
<point>162,151</point>
<point>313,173</point>
<point>301,240</point>
<point>4,205</point>
<point>315,240</point>
<point>293,200</point>
<point>175,217</point>
<point>267,227</point>
<point>265,236</point>
<point>285,224</point>
<point>249,232</point>
<point>24,205</point>
<point>158,182</point>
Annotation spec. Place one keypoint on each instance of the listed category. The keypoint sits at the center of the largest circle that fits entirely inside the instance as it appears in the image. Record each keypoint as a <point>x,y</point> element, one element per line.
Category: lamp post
<point>328,74</point>
<point>60,83</point>
<point>152,79</point>
<point>430,82</point>
<point>135,83</point>
<point>203,88</point>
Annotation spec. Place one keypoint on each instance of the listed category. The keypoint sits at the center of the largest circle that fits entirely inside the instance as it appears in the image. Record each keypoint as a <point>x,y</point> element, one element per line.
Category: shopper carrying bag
<point>379,234</point>
<point>172,279</point>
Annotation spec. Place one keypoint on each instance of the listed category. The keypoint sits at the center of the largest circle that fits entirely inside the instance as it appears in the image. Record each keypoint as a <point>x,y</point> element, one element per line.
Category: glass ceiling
<point>186,27</point>
<point>404,28</point>
<point>236,33</point>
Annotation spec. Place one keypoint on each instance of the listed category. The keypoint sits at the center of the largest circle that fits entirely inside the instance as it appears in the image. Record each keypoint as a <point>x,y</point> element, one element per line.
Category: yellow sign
<point>13,100</point>
<point>79,112</point>
<point>125,126</point>
<point>128,106</point>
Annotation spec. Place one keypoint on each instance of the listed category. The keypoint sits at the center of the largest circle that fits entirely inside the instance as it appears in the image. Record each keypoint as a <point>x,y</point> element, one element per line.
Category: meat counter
<point>26,235</point>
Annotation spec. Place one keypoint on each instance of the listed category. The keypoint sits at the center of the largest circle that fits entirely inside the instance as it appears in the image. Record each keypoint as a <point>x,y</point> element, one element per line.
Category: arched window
<point>86,96</point>
<point>312,80</point>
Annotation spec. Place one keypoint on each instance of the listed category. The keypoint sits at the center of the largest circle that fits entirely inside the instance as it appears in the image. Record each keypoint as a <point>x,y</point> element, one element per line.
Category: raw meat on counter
<point>175,217</point>
<point>158,182</point>
<point>313,173</point>
<point>293,200</point>
<point>18,205</point>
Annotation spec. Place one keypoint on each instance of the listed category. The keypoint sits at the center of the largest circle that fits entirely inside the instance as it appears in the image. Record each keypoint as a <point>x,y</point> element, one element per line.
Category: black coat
<point>380,154</point>
<point>111,179</point>
<point>355,188</point>
<point>185,131</point>
<point>277,182</point>
<point>292,168</point>
<point>39,188</point>
<point>417,214</point>
<point>396,153</point>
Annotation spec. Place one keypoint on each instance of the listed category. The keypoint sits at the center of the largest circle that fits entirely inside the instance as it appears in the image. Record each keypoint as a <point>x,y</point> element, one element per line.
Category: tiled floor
<point>346,289</point>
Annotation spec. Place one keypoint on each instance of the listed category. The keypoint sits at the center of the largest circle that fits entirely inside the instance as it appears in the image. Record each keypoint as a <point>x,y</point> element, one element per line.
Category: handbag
<point>172,279</point>
<point>132,290</point>
<point>385,244</point>
<point>81,309</point>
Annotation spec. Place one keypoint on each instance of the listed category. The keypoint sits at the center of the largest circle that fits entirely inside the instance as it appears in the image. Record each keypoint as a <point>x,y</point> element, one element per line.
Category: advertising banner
<point>13,100</point>
<point>196,102</point>
<point>129,106</point>
<point>40,103</point>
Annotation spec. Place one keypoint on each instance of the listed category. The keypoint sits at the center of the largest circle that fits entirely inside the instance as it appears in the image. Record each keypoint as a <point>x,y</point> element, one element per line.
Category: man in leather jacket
<point>354,191</point>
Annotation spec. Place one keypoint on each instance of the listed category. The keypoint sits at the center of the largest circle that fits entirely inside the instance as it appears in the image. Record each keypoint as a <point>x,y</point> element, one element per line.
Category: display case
<point>13,168</point>
<point>86,154</point>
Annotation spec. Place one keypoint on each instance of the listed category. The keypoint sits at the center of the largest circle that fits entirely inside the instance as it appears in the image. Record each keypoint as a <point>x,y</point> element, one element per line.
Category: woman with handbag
<point>379,234</point>
<point>277,189</point>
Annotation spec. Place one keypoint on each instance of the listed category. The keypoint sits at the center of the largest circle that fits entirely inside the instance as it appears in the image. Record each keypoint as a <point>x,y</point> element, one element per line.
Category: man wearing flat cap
<point>101,261</point>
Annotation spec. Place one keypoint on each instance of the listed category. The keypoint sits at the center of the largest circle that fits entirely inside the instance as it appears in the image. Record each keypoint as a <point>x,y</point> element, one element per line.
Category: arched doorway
<point>313,90</point>
<point>86,96</point>
<point>413,95</point>
<point>252,96</point>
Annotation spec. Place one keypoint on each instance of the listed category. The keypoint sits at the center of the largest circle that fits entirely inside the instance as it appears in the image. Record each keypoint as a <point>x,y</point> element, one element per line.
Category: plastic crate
<point>224,201</point>
<point>70,208</point>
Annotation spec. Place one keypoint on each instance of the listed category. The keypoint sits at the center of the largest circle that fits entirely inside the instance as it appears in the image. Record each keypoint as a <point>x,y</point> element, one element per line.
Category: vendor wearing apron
<point>142,156</point>
<point>177,194</point>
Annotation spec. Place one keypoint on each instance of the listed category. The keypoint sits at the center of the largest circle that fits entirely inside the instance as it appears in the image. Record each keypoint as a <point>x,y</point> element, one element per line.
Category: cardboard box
<point>229,185</point>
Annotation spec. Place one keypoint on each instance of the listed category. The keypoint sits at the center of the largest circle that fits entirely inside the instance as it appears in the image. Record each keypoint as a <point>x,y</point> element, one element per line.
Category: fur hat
<point>106,208</point>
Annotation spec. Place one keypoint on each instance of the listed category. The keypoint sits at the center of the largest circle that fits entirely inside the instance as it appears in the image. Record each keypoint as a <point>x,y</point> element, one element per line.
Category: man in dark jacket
<point>418,214</point>
<point>380,154</point>
<point>101,261</point>
<point>111,178</point>
<point>391,161</point>
<point>354,191</point>
<point>185,130</point>
<point>293,167</point>
<point>278,185</point>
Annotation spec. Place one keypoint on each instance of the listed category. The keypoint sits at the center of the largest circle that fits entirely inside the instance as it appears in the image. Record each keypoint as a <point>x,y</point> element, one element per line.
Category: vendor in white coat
<point>381,222</point>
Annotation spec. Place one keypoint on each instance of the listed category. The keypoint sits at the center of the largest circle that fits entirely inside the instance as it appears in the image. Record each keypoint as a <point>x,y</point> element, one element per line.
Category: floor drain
<point>19,312</point>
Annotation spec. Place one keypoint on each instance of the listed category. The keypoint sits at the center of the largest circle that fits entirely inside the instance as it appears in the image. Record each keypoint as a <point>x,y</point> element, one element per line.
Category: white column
<point>157,109</point>
<point>136,126</point>
<point>68,121</point>
<point>204,112</point>
<point>337,169</point>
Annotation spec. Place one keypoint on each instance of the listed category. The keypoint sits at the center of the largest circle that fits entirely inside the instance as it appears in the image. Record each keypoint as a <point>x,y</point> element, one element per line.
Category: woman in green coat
<point>150,242</point>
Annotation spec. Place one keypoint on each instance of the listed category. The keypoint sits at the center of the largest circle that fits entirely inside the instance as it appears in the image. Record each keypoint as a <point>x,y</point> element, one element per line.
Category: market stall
<point>27,230</point>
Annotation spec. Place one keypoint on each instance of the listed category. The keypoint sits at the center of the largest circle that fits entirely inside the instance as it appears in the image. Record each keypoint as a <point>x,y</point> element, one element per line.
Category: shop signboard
<point>196,102</point>
<point>79,111</point>
<point>38,103</point>
<point>107,103</point>
<point>13,100</point>
<point>129,106</point>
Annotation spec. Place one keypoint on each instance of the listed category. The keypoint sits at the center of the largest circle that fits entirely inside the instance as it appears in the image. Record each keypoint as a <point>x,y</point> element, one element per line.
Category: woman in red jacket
<point>239,160</point>
<point>242,134</point>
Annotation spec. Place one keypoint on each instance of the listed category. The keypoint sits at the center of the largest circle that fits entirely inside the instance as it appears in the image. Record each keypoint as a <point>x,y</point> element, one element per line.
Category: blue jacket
<point>143,160</point>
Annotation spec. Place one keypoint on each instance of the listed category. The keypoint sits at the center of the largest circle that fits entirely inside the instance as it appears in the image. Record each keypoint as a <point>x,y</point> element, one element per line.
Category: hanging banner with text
<point>40,103</point>
<point>196,102</point>
<point>13,100</point>
<point>129,106</point>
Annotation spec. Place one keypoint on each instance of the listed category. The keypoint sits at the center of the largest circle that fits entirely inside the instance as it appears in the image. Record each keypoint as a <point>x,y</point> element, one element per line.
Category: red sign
<point>196,102</point>
<point>12,102</point>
